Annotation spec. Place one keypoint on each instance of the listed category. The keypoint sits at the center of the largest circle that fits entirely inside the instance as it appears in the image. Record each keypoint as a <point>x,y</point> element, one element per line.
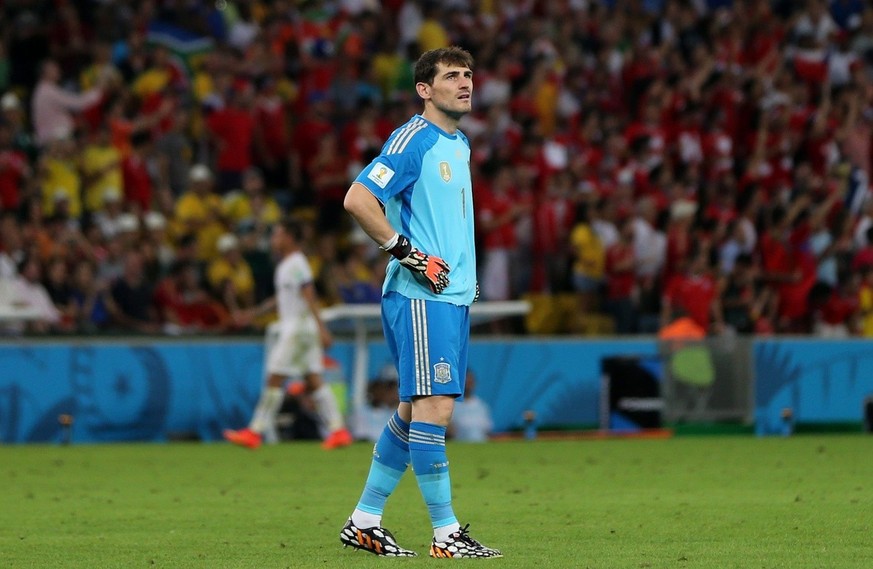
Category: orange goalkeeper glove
<point>433,269</point>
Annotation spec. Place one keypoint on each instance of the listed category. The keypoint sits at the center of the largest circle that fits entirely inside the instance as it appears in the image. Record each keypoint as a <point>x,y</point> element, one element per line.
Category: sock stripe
<point>397,430</point>
<point>427,452</point>
<point>426,438</point>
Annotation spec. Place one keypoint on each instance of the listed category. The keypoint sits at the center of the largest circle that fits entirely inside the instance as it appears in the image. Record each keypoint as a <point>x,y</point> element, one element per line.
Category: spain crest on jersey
<point>445,171</point>
<point>442,372</point>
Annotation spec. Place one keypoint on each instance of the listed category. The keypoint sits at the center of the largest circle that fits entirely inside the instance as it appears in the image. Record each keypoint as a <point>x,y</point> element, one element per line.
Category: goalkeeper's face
<point>451,91</point>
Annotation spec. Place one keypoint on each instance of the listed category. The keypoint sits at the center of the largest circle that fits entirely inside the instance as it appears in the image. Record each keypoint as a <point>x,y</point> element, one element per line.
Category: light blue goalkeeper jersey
<point>422,177</point>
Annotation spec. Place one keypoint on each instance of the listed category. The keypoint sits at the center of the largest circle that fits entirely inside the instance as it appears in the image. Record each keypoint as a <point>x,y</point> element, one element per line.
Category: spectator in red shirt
<point>184,305</point>
<point>313,126</point>
<point>620,280</point>
<point>694,293</point>
<point>14,171</point>
<point>789,269</point>
<point>679,236</point>
<point>864,257</point>
<point>835,309</point>
<point>272,134</point>
<point>329,176</point>
<point>498,209</point>
<point>138,188</point>
<point>554,219</point>
<point>233,130</point>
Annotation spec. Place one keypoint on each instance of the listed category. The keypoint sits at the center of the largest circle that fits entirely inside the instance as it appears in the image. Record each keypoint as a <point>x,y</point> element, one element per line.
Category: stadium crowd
<point>647,158</point>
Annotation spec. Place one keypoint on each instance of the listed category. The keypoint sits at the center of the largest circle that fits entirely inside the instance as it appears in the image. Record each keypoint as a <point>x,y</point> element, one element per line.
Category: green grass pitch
<point>687,502</point>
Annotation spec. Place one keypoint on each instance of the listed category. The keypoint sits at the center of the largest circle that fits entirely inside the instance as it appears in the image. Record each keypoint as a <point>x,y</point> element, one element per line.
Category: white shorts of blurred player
<point>292,351</point>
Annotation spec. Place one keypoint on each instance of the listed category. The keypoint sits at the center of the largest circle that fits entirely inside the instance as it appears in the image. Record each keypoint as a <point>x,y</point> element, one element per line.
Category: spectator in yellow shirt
<point>432,34</point>
<point>101,170</point>
<point>60,178</point>
<point>251,205</point>
<point>198,212</point>
<point>230,276</point>
<point>865,302</point>
<point>589,260</point>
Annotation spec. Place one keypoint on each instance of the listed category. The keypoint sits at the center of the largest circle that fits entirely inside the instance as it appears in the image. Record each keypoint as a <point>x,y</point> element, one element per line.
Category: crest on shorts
<point>442,372</point>
<point>445,171</point>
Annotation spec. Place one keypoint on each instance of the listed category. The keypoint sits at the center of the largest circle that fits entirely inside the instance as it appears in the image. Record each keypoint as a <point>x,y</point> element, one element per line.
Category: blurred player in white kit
<point>296,348</point>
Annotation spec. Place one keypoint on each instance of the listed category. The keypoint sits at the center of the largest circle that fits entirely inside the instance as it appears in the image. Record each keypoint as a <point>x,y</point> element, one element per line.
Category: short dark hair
<point>292,227</point>
<point>426,66</point>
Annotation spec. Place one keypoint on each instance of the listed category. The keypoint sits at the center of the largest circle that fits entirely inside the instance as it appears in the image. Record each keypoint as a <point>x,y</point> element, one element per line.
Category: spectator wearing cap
<point>53,106</point>
<point>230,276</point>
<point>679,236</point>
<point>198,212</point>
<point>59,177</point>
<point>128,230</point>
<point>155,237</point>
<point>13,115</point>
<point>232,131</point>
<point>121,236</point>
<point>101,169</point>
<point>107,218</point>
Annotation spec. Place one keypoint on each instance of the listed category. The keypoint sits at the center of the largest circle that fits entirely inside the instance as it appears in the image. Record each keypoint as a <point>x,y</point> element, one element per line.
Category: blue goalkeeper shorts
<point>429,341</point>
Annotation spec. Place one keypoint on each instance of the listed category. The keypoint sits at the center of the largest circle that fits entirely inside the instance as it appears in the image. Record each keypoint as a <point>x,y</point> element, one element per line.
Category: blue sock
<point>390,459</point>
<point>427,450</point>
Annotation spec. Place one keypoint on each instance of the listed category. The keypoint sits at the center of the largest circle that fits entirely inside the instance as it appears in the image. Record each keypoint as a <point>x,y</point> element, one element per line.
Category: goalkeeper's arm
<point>367,211</point>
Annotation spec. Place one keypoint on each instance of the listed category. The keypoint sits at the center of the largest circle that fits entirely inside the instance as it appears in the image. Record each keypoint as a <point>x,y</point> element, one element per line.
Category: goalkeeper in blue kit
<point>422,180</point>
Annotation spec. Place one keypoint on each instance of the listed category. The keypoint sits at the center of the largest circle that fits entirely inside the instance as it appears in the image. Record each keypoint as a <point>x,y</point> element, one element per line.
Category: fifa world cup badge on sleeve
<point>381,174</point>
